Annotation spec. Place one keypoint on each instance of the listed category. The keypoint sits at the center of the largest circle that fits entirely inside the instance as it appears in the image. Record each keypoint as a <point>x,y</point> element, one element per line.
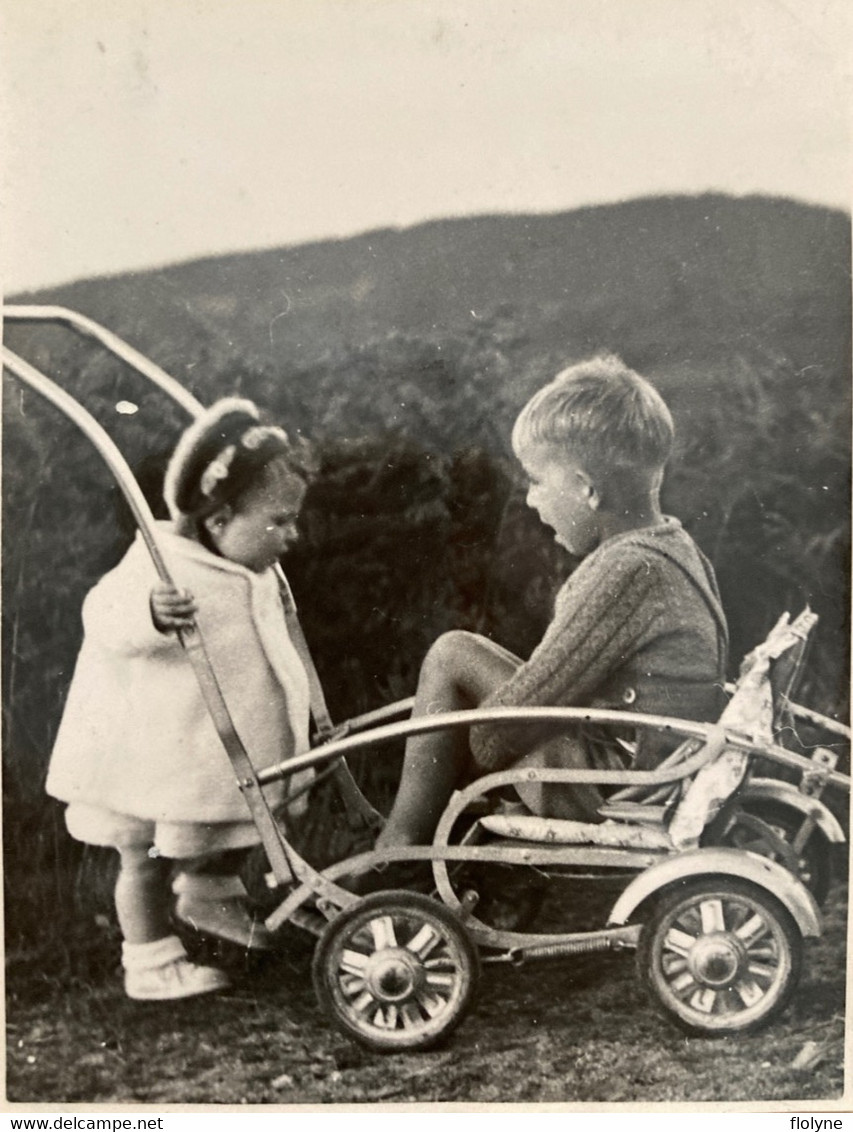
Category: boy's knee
<point>452,646</point>
<point>449,658</point>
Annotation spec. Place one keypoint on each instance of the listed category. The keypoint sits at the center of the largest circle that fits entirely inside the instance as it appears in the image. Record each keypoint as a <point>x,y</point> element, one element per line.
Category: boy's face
<point>565,498</point>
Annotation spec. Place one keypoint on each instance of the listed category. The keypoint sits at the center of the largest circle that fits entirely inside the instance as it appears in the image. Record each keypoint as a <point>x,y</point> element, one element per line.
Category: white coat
<point>135,735</point>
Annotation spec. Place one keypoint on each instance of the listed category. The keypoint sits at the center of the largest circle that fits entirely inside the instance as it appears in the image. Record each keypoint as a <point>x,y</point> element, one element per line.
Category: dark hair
<point>224,455</point>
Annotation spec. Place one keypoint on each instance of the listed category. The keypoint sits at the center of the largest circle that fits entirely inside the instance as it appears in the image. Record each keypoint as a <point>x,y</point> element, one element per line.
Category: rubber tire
<point>815,867</point>
<point>749,899</point>
<point>409,913</point>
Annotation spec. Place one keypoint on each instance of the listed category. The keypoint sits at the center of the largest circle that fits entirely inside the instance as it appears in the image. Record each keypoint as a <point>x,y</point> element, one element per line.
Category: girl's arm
<point>171,608</point>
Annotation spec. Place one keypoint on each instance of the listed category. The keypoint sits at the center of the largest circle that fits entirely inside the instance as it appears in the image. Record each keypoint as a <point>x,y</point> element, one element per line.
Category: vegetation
<point>405,356</point>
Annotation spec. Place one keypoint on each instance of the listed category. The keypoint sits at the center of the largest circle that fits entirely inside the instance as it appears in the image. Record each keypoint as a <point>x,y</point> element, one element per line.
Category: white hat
<point>199,434</point>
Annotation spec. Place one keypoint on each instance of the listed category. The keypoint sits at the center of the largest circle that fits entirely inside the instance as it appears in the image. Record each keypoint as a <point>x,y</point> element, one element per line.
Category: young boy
<point>638,625</point>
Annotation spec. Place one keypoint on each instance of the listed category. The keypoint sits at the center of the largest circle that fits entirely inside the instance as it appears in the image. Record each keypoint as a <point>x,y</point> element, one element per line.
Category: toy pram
<point>721,872</point>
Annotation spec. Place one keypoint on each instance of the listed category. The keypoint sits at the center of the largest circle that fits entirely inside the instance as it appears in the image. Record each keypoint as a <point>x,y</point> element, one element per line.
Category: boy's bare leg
<point>459,671</point>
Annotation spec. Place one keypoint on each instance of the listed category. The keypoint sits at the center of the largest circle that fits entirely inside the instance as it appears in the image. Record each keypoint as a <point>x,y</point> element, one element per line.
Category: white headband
<point>218,469</point>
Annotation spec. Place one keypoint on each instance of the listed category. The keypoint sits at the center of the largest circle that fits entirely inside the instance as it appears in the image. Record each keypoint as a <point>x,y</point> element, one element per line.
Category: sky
<point>142,132</point>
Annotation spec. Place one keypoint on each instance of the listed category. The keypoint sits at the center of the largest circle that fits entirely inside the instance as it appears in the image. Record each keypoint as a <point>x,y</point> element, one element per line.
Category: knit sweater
<point>135,735</point>
<point>638,625</point>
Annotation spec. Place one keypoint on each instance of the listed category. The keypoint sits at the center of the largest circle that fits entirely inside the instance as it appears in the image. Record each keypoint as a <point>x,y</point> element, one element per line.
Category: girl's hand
<point>171,608</point>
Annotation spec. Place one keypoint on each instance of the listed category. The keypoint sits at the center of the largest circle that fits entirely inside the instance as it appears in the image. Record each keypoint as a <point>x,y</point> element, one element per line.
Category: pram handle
<point>105,446</point>
<point>191,640</point>
<point>112,342</point>
<point>356,804</point>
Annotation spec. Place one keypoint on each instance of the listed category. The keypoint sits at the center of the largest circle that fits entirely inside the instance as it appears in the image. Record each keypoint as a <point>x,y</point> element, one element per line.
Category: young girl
<point>136,756</point>
<point>638,625</point>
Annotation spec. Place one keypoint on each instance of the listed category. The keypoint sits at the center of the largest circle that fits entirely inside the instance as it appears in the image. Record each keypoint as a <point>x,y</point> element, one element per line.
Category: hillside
<point>405,355</point>
<point>753,260</point>
<point>686,289</point>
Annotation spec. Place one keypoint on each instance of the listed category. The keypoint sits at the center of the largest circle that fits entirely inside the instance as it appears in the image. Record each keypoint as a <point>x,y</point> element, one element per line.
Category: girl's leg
<point>459,671</point>
<point>142,895</point>
<point>155,963</point>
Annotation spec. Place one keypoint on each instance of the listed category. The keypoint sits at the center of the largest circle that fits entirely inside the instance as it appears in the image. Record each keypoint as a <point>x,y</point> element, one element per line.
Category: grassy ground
<point>576,1030</point>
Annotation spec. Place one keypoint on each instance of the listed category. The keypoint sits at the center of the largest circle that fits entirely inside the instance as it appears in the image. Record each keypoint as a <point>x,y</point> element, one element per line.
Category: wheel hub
<point>394,975</point>
<point>715,959</point>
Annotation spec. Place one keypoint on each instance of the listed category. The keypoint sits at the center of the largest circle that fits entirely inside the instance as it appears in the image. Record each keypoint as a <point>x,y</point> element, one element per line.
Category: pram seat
<point>676,823</point>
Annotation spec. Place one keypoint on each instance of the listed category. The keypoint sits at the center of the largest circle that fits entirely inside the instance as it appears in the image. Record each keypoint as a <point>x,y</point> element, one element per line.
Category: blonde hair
<point>602,414</point>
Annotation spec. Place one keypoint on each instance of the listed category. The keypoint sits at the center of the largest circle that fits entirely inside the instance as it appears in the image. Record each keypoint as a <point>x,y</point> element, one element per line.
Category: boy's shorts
<point>585,747</point>
<point>97,825</point>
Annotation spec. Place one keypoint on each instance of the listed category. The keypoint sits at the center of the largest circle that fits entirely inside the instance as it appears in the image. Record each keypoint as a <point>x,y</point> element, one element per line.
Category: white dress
<point>137,756</point>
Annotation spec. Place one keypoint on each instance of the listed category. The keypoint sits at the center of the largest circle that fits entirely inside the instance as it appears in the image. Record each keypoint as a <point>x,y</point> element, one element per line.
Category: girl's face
<point>565,498</point>
<point>259,529</point>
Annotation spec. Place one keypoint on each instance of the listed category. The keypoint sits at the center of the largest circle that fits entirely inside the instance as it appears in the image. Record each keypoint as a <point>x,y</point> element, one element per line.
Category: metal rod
<point>91,329</point>
<point>105,446</point>
<point>323,882</point>
<point>379,715</point>
<point>191,640</point>
<point>505,716</point>
<point>502,716</point>
<point>833,725</point>
<point>164,381</point>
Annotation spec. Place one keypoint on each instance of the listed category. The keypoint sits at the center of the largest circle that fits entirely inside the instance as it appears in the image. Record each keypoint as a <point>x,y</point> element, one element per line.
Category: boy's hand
<point>171,608</point>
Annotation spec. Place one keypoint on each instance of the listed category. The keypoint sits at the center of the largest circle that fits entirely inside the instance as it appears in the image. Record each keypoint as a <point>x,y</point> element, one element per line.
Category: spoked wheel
<point>720,955</point>
<point>396,971</point>
<point>769,829</point>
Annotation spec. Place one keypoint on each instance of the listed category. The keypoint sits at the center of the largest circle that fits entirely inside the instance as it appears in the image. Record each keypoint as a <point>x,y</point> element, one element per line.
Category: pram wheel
<point>396,971</point>
<point>720,955</point>
<point>770,829</point>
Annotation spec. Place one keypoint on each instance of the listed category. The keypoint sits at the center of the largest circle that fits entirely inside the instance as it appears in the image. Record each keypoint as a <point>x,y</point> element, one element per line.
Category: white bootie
<point>160,970</point>
<point>215,905</point>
